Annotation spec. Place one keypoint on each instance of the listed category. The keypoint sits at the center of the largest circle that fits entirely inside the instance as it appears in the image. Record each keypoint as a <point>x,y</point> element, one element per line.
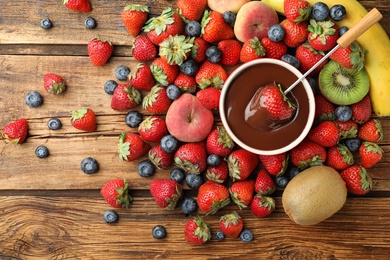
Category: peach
<point>253,20</point>
<point>188,120</point>
<point>222,6</point>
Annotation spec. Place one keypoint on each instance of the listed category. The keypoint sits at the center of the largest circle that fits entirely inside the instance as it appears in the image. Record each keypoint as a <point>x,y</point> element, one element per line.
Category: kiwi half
<point>343,86</point>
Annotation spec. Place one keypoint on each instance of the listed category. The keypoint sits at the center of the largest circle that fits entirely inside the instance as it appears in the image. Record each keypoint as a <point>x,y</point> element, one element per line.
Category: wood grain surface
<point>50,209</point>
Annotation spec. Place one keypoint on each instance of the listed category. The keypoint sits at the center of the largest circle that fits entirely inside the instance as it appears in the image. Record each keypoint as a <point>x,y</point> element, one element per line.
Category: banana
<point>375,41</point>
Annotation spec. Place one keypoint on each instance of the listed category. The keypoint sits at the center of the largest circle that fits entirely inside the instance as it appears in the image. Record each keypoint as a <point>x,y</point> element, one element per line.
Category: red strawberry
<point>241,164</point>
<point>231,224</point>
<point>370,153</point>
<point>196,231</point>
<point>134,16</point>
<point>187,84</point>
<point>160,158</point>
<point>212,196</point>
<point>262,206</point>
<point>191,157</point>
<point>218,173</point>
<point>152,129</point>
<point>53,83</point>
<point>83,119</point>
<point>273,50</point>
<point>191,10</point>
<point>295,33</point>
<point>324,109</point>
<point>156,101</point>
<point>348,129</point>
<point>214,27</point>
<point>371,131</point>
<point>116,193</point>
<point>16,131</point>
<point>163,72</point>
<point>209,97</point>
<point>125,97</point>
<point>211,75</point>
<point>297,10</point>
<point>141,77</point>
<point>241,192</point>
<point>351,57</point>
<point>357,179</point>
<point>308,153</point>
<point>131,147</point>
<point>326,134</point>
<point>99,51</point>
<point>339,157</point>
<point>176,49</point>
<point>275,164</point>
<point>361,111</point>
<point>264,184</point>
<point>198,52</point>
<point>166,193</point>
<point>78,5</point>
<point>143,49</point>
<point>308,57</point>
<point>252,49</point>
<point>219,142</point>
<point>230,49</point>
<point>323,35</point>
<point>161,27</point>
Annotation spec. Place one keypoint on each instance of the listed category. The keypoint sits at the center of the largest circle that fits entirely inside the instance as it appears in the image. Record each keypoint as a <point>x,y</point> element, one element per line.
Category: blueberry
<point>173,92</point>
<point>34,99</point>
<point>122,72</point>
<point>219,235</point>
<point>145,168</point>
<point>213,160</point>
<point>246,235</point>
<point>190,67</point>
<point>42,151</point>
<point>193,29</point>
<point>337,13</point>
<point>177,174</point>
<point>281,181</point>
<point>89,165</point>
<point>343,30</point>
<point>276,33</point>
<point>320,11</point>
<point>110,86</point>
<point>291,60</point>
<point>353,144</point>
<point>159,232</point>
<point>110,216</point>
<point>292,171</point>
<point>343,113</point>
<point>133,119</point>
<point>189,205</point>
<point>229,18</point>
<point>194,181</point>
<point>169,144</point>
<point>313,84</point>
<point>90,23</point>
<point>54,124</point>
<point>213,54</point>
<point>46,23</point>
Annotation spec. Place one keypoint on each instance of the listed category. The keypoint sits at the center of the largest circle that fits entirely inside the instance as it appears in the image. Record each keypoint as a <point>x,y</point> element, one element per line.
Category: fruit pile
<point>184,55</point>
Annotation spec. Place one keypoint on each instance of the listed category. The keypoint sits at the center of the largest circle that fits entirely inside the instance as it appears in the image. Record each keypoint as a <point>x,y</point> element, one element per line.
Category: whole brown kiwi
<point>314,195</point>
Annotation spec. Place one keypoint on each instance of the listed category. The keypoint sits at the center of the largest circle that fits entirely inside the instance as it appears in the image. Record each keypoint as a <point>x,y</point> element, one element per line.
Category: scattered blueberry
<point>276,33</point>
<point>122,72</point>
<point>110,216</point>
<point>177,174</point>
<point>42,151</point>
<point>173,92</point>
<point>133,119</point>
<point>313,84</point>
<point>229,18</point>
<point>193,29</point>
<point>89,165</point>
<point>353,144</point>
<point>213,54</point>
<point>281,181</point>
<point>54,124</point>
<point>343,30</point>
<point>90,23</point>
<point>189,205</point>
<point>46,23</point>
<point>34,99</point>
<point>219,235</point>
<point>246,235</point>
<point>169,144</point>
<point>194,181</point>
<point>320,11</point>
<point>343,113</point>
<point>337,13</point>
<point>145,168</point>
<point>190,67</point>
<point>292,171</point>
<point>159,232</point>
<point>110,86</point>
<point>291,60</point>
<point>213,160</point>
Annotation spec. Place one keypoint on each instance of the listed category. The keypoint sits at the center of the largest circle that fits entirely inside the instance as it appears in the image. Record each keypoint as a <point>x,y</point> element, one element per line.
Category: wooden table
<point>50,209</point>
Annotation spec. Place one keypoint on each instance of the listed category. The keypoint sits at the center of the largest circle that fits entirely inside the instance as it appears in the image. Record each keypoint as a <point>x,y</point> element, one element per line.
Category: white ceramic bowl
<point>258,78</point>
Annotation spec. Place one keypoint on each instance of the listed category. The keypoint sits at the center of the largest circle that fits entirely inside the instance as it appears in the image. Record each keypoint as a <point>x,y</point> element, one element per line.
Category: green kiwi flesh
<point>343,86</point>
